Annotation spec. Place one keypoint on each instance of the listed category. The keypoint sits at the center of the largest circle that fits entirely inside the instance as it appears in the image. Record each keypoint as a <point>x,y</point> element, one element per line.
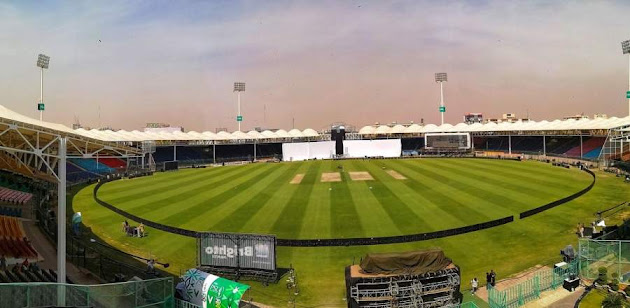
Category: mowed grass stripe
<point>448,197</point>
<point>244,213</point>
<point>317,223</point>
<point>158,177</point>
<point>259,221</point>
<point>432,215</point>
<point>512,183</point>
<point>476,190</point>
<point>188,213</point>
<point>164,180</point>
<point>343,213</point>
<point>438,202</point>
<point>241,195</point>
<point>398,211</point>
<point>165,185</point>
<point>508,188</point>
<point>175,196</point>
<point>289,222</point>
<point>532,170</point>
<point>541,173</point>
<point>371,215</point>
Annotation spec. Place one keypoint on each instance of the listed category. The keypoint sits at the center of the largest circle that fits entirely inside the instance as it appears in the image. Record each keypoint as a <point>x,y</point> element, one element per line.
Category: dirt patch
<point>297,179</point>
<point>331,177</point>
<point>360,176</point>
<point>396,175</point>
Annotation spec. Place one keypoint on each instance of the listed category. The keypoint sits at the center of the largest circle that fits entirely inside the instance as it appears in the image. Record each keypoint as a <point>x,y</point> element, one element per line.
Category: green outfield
<point>435,194</point>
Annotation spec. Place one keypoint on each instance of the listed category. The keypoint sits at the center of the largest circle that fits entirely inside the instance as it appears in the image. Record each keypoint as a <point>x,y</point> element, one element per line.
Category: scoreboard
<point>447,141</point>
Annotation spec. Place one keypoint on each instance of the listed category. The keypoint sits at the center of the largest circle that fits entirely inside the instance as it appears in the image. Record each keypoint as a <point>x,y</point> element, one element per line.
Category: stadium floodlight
<point>42,62</point>
<point>441,78</point>
<point>238,88</point>
<point>625,48</point>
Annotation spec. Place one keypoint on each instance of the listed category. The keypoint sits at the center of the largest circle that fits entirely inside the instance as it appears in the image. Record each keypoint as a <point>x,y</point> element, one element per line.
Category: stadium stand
<point>8,195</point>
<point>91,165</point>
<point>113,163</point>
<point>75,174</point>
<point>13,241</point>
<point>560,145</point>
<point>588,145</point>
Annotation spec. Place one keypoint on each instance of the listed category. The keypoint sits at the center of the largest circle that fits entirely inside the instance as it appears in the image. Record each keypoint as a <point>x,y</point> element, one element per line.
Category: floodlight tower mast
<point>625,47</point>
<point>42,63</point>
<point>441,78</point>
<point>238,88</point>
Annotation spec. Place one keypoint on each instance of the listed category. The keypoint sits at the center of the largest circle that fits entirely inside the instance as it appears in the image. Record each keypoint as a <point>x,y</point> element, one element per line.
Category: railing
<point>144,293</point>
<point>530,289</point>
<point>184,304</point>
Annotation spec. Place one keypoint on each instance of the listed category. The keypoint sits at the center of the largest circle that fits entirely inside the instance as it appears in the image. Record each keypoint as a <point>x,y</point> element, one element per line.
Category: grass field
<point>436,194</point>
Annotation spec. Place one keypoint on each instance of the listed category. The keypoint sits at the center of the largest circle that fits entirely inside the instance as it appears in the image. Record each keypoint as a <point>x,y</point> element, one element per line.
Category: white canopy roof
<point>571,124</point>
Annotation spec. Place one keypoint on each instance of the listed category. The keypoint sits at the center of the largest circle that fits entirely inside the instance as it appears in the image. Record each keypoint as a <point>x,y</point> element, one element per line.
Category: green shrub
<point>602,275</point>
<point>614,284</point>
<point>612,301</point>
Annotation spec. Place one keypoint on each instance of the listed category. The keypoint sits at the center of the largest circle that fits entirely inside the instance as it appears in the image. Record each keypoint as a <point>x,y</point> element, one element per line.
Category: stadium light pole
<point>625,47</point>
<point>61,222</point>
<point>441,78</point>
<point>42,62</point>
<point>238,88</point>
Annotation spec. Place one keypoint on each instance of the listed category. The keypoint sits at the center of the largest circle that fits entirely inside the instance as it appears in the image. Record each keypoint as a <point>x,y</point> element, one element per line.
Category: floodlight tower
<point>42,62</point>
<point>238,88</point>
<point>441,78</point>
<point>625,47</point>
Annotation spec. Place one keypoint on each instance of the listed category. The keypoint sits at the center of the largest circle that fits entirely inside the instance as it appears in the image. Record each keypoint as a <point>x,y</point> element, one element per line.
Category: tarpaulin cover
<point>413,262</point>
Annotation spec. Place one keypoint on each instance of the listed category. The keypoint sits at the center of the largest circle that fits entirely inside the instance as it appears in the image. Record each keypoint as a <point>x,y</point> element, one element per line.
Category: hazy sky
<point>319,62</point>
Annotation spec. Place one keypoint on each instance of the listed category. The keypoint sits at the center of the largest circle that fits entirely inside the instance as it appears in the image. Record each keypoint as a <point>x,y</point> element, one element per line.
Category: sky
<point>124,64</point>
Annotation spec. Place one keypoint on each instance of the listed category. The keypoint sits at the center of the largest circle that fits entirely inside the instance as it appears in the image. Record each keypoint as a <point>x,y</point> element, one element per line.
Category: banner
<point>222,293</point>
<point>207,290</point>
<point>247,251</point>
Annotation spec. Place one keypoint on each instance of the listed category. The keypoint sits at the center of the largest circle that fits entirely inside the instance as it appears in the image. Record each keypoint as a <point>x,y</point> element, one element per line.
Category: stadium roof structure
<point>117,142</point>
<point>507,127</point>
<point>32,147</point>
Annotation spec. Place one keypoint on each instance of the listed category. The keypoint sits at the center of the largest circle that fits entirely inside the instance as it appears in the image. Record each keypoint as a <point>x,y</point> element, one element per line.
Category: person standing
<point>151,266</point>
<point>493,278</point>
<point>474,284</point>
<point>488,280</point>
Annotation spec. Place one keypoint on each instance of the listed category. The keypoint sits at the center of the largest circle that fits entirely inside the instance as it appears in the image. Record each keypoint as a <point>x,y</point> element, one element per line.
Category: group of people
<point>18,267</point>
<point>491,279</point>
<point>133,231</point>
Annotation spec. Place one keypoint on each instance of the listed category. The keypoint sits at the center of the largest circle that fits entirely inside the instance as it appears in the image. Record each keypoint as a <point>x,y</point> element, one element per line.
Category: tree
<point>612,301</point>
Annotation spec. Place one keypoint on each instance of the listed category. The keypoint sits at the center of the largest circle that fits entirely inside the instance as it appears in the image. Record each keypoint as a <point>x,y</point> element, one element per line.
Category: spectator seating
<point>13,241</point>
<point>75,174</point>
<point>13,196</point>
<point>113,163</point>
<point>560,145</point>
<point>10,211</point>
<point>32,274</point>
<point>91,165</point>
<point>411,144</point>
<point>588,145</point>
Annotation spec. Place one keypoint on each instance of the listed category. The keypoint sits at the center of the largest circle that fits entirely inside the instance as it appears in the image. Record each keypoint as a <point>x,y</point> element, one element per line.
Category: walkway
<point>45,248</point>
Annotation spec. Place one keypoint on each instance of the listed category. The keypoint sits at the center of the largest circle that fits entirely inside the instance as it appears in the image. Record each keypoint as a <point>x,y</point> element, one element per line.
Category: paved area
<point>559,298</point>
<point>506,283</point>
<point>49,254</point>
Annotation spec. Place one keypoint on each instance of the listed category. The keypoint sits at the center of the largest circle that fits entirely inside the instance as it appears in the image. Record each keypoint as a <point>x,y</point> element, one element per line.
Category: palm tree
<point>612,301</point>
